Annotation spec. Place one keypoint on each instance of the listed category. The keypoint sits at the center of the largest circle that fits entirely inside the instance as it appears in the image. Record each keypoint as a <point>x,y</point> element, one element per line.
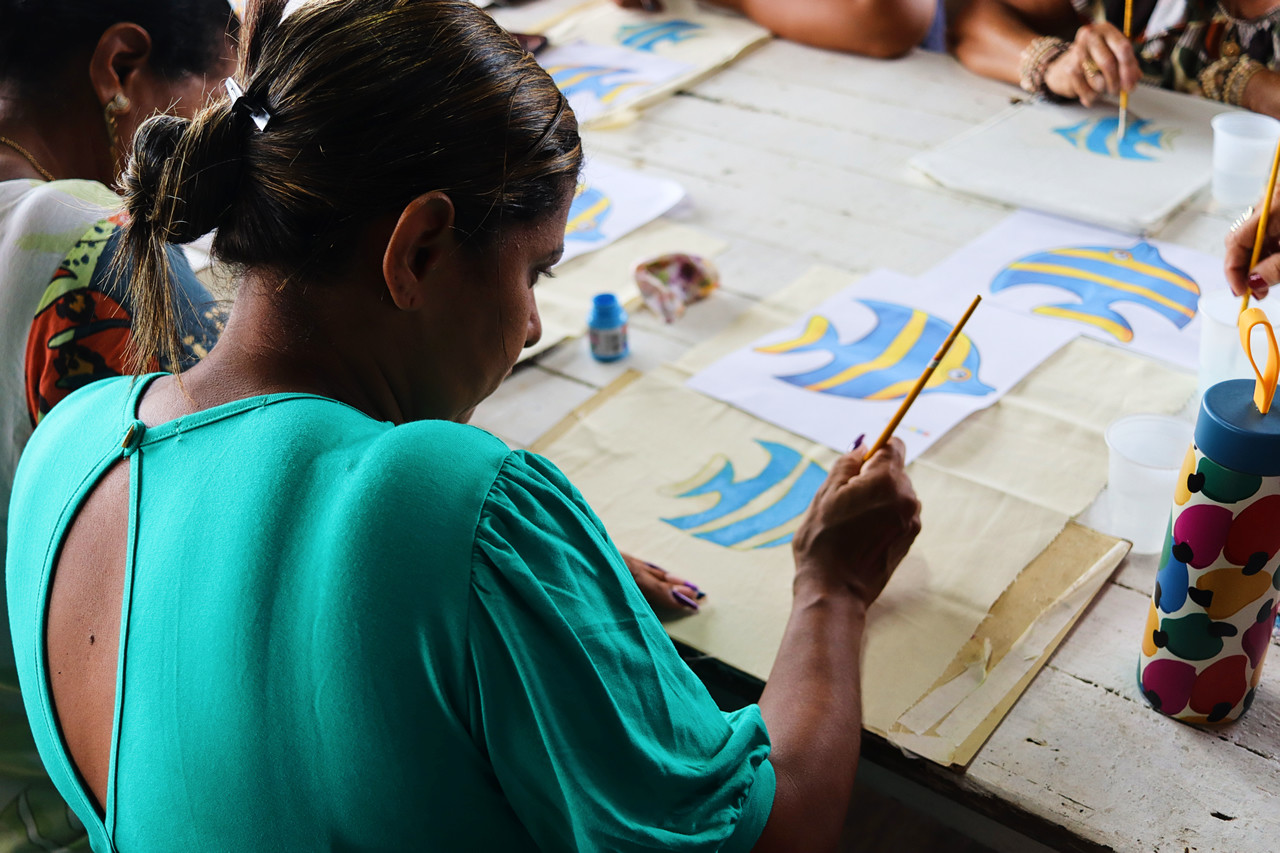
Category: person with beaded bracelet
<point>1226,51</point>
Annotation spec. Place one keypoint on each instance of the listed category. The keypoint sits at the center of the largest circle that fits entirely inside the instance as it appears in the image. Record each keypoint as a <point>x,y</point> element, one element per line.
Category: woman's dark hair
<point>39,37</point>
<point>372,103</point>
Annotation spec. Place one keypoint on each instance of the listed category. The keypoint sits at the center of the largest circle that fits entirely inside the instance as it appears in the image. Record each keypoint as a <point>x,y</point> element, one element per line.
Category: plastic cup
<point>1243,147</point>
<point>1221,356</point>
<point>1145,453</point>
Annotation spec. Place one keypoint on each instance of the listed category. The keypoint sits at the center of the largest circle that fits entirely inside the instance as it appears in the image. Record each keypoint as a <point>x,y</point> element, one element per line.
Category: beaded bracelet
<point>1213,77</point>
<point>1036,59</point>
<point>1238,79</point>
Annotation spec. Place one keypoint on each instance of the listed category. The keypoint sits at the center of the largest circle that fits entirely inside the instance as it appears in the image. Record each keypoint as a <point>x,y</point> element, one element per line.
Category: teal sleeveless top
<point>338,634</point>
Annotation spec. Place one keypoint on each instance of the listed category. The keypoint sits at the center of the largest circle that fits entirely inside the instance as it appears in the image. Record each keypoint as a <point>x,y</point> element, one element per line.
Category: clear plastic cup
<point>1145,453</point>
<point>1221,356</point>
<point>1243,147</point>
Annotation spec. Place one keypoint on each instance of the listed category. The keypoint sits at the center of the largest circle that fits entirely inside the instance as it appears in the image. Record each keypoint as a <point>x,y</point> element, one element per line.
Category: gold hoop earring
<point>118,104</point>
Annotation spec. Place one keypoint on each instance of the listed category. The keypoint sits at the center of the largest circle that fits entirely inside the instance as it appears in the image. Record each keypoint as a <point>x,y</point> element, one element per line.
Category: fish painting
<point>1099,136</point>
<point>754,518</point>
<point>648,36</point>
<point>1102,276</point>
<point>587,214</point>
<point>885,363</point>
<point>604,83</point>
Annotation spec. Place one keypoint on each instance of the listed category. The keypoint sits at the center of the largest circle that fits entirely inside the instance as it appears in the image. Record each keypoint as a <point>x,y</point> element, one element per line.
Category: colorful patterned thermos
<point>1216,592</point>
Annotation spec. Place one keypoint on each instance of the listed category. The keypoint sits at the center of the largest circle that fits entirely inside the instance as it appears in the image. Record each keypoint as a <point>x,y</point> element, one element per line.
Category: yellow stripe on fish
<point>1072,272</point>
<point>1149,270</point>
<point>892,354</point>
<point>1122,332</point>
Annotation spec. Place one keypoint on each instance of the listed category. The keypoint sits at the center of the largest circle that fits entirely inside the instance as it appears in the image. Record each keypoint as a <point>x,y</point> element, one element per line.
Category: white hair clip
<point>261,118</point>
<point>291,7</point>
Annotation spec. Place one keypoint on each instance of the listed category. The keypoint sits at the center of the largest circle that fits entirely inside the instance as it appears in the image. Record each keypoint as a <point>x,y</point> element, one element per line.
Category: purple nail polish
<point>652,565</point>
<point>701,595</point>
<point>685,600</point>
<point>857,442</point>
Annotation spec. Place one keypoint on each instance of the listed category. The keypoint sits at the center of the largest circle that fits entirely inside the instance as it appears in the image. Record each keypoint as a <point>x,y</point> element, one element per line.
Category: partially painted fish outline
<point>605,83</point>
<point>587,215</point>
<point>743,495</point>
<point>648,36</point>
<point>1099,137</point>
<point>1102,276</point>
<point>885,363</point>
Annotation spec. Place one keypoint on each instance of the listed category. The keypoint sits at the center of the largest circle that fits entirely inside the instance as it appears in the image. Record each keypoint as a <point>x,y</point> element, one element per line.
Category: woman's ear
<point>123,50</point>
<point>421,237</point>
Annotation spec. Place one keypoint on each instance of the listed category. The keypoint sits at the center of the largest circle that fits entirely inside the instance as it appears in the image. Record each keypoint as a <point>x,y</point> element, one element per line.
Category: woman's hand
<point>1099,62</point>
<point>860,525</point>
<point>1240,241</point>
<point>667,594</point>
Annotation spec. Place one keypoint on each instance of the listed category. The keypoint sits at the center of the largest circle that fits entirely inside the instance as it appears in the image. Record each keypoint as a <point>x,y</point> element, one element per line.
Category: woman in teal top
<point>288,600</point>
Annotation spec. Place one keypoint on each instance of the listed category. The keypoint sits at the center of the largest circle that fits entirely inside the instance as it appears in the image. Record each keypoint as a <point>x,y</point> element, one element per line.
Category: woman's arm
<point>1262,93</point>
<point>860,526</point>
<point>988,36</point>
<point>879,28</point>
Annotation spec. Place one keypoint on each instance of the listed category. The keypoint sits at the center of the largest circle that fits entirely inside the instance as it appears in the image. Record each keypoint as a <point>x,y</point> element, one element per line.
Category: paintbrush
<point>1124,95</point>
<point>1262,221</point>
<point>924,377</point>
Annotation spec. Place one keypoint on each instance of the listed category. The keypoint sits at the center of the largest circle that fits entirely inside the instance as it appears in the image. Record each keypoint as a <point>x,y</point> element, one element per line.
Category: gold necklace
<point>30,158</point>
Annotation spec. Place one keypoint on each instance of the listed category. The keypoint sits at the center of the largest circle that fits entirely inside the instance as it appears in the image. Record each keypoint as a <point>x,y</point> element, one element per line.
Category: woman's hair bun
<point>184,174</point>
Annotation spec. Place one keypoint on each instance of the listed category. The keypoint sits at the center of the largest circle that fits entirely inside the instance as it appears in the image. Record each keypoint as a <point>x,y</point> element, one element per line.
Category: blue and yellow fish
<point>734,495</point>
<point>1099,136</point>
<point>587,214</point>
<point>885,363</point>
<point>648,36</point>
<point>1102,276</point>
<point>603,82</point>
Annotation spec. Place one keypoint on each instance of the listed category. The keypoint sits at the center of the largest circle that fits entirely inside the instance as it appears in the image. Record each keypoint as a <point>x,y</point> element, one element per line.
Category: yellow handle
<point>1264,388</point>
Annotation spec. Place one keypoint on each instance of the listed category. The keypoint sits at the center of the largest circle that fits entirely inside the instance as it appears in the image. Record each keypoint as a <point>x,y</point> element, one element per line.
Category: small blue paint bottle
<point>607,328</point>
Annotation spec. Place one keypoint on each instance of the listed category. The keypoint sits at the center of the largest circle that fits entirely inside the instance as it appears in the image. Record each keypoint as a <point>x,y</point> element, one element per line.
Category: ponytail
<point>180,182</point>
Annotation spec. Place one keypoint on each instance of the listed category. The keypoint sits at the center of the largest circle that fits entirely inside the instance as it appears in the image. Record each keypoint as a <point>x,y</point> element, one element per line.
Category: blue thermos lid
<point>1232,432</point>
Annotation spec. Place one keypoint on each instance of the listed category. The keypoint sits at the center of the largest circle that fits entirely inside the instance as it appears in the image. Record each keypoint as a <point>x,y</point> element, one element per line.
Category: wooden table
<point>795,157</point>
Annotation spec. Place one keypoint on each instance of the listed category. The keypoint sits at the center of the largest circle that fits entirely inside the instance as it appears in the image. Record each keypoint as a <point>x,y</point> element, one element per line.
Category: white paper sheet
<point>599,78</point>
<point>532,17</point>
<point>639,54</point>
<point>683,30</point>
<point>1140,294</point>
<point>612,201</point>
<point>1066,159</point>
<point>844,369</point>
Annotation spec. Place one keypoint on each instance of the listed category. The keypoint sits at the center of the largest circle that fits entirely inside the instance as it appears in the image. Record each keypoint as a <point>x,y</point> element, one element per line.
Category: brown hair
<point>372,103</point>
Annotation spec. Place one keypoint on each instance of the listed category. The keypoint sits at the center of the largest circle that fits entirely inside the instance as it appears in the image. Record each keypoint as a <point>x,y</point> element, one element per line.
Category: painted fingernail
<point>1257,282</point>
<point>685,600</point>
<point>693,588</point>
<point>699,594</point>
<point>653,565</point>
<point>857,442</point>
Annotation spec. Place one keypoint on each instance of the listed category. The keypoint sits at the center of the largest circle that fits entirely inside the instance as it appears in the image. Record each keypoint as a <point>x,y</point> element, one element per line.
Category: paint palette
<point>1069,160</point>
